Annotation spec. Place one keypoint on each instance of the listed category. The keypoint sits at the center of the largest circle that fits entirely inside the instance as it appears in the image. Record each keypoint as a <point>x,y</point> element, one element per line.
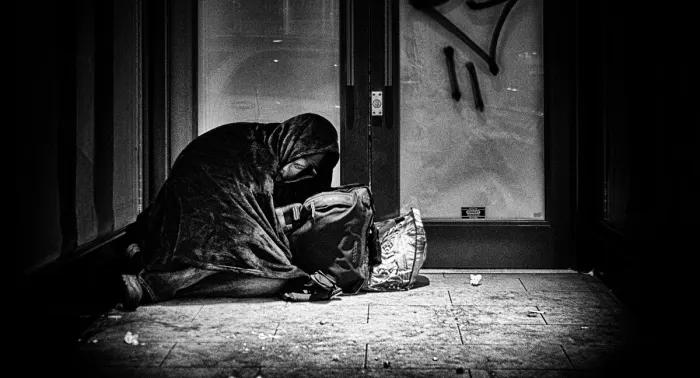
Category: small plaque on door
<point>474,212</point>
<point>377,103</point>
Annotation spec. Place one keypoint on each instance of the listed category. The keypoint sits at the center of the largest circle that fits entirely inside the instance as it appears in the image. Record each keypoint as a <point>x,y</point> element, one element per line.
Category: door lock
<point>377,103</point>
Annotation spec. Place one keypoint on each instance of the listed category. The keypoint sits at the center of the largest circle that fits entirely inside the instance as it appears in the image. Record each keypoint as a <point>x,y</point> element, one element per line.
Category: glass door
<point>477,126</point>
<point>266,61</point>
<point>471,140</point>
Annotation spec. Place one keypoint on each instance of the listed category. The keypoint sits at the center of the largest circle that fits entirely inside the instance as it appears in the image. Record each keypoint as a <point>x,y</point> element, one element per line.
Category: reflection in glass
<point>266,61</point>
<point>453,155</point>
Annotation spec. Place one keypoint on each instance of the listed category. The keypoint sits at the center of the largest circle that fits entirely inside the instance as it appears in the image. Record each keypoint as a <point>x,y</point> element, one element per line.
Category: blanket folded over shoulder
<point>216,210</point>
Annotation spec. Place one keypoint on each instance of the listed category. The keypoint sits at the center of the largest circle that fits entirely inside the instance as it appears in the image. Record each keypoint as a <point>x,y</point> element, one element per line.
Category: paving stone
<point>427,333</point>
<point>156,319</point>
<point>478,296</point>
<point>543,334</point>
<point>243,330</point>
<point>318,372</point>
<point>605,357</point>
<point>331,312</point>
<point>437,314</point>
<point>224,329</point>
<point>420,296</point>
<point>444,356</point>
<point>416,373</point>
<point>519,373</point>
<point>116,352</point>
<point>209,337</point>
<point>224,321</point>
<point>379,331</point>
<point>489,281</point>
<point>171,372</point>
<point>593,315</point>
<point>590,298</point>
<point>486,297</point>
<point>420,324</point>
<point>496,315</point>
<point>561,282</point>
<point>199,301</point>
<point>296,333</point>
<point>248,311</point>
<point>216,354</point>
<point>155,312</point>
<point>332,354</point>
<point>291,334</point>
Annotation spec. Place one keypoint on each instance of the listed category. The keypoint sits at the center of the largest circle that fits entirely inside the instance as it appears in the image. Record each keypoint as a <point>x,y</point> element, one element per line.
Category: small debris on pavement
<point>435,359</point>
<point>387,364</point>
<point>534,313</point>
<point>336,357</point>
<point>323,321</point>
<point>584,327</point>
<point>475,279</point>
<point>131,338</point>
<point>114,316</point>
<point>94,341</point>
<point>263,336</point>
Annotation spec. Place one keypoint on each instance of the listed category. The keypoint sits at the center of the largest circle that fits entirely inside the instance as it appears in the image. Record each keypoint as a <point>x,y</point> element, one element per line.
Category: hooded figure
<point>213,223</point>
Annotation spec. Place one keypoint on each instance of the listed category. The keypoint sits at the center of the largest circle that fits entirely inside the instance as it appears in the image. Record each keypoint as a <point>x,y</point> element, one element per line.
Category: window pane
<point>108,120</point>
<point>452,155</point>
<point>266,61</point>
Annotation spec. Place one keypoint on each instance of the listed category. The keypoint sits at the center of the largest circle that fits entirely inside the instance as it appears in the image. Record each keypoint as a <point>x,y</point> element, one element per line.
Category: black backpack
<point>334,239</point>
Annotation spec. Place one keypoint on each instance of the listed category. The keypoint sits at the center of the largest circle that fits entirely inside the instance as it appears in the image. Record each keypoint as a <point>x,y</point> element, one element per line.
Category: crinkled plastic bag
<point>404,249</point>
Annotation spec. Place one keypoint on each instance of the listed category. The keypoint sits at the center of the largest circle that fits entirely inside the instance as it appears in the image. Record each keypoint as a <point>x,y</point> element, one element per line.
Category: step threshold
<point>499,271</point>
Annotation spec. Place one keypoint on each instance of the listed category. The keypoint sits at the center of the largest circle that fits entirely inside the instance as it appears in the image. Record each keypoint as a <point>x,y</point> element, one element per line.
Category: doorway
<point>490,169</point>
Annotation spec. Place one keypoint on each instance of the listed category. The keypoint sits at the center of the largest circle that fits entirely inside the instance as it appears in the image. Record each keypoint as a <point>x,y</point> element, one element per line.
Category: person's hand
<point>290,217</point>
<point>321,287</point>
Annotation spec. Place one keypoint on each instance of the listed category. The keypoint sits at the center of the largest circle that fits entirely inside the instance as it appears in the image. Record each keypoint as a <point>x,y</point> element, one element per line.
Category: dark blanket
<point>217,208</point>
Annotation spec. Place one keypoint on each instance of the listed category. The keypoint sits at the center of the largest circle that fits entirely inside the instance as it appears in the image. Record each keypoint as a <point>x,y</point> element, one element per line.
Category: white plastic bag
<point>404,249</point>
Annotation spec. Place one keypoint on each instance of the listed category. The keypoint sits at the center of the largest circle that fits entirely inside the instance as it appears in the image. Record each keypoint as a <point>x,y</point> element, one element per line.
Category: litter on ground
<point>131,338</point>
<point>534,313</point>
